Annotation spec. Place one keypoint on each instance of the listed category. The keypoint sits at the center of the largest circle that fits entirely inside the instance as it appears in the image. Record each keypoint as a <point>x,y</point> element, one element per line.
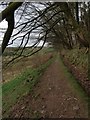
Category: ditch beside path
<point>52,97</point>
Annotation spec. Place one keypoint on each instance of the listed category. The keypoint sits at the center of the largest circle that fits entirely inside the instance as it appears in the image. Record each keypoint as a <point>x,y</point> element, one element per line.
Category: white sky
<point>4,25</point>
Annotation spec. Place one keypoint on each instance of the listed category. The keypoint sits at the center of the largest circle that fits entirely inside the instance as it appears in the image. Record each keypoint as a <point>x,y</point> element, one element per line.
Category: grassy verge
<point>73,82</point>
<point>76,86</point>
<point>21,86</point>
<point>77,57</point>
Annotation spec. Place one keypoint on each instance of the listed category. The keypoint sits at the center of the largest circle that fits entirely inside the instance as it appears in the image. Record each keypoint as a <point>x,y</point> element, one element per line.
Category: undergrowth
<point>78,57</point>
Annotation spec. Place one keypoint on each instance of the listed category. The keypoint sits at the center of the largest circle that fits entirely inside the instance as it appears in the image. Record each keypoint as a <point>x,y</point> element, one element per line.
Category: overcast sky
<point>4,25</point>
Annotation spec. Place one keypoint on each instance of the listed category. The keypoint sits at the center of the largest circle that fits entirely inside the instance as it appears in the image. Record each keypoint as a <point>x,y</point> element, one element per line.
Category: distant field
<point>20,77</point>
<point>17,67</point>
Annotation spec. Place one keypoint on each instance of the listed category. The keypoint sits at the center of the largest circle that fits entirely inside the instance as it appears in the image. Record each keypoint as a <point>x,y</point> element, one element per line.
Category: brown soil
<point>53,97</point>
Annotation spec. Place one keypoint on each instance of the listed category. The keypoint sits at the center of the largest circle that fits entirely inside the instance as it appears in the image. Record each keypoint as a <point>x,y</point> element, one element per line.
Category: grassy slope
<point>75,85</point>
<point>21,85</point>
<point>77,57</point>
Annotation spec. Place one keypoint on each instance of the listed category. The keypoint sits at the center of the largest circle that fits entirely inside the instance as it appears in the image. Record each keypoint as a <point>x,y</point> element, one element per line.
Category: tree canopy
<point>61,24</point>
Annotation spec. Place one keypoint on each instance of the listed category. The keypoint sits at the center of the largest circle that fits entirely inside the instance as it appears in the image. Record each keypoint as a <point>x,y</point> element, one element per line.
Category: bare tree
<point>51,21</point>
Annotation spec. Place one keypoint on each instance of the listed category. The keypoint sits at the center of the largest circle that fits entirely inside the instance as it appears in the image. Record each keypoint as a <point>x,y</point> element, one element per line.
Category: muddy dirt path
<point>53,97</point>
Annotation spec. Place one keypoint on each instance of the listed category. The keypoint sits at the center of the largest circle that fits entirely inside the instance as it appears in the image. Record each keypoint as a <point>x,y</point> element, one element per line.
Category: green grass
<point>73,82</point>
<point>76,86</point>
<point>49,50</point>
<point>19,87</point>
<point>79,58</point>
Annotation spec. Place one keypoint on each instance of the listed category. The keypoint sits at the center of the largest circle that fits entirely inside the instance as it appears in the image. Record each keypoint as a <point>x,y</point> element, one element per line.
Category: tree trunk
<point>12,7</point>
<point>64,6</point>
<point>77,12</point>
<point>8,13</point>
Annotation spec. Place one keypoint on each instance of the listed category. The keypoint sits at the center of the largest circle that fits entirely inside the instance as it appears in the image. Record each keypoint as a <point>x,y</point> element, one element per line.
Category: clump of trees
<point>61,24</point>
